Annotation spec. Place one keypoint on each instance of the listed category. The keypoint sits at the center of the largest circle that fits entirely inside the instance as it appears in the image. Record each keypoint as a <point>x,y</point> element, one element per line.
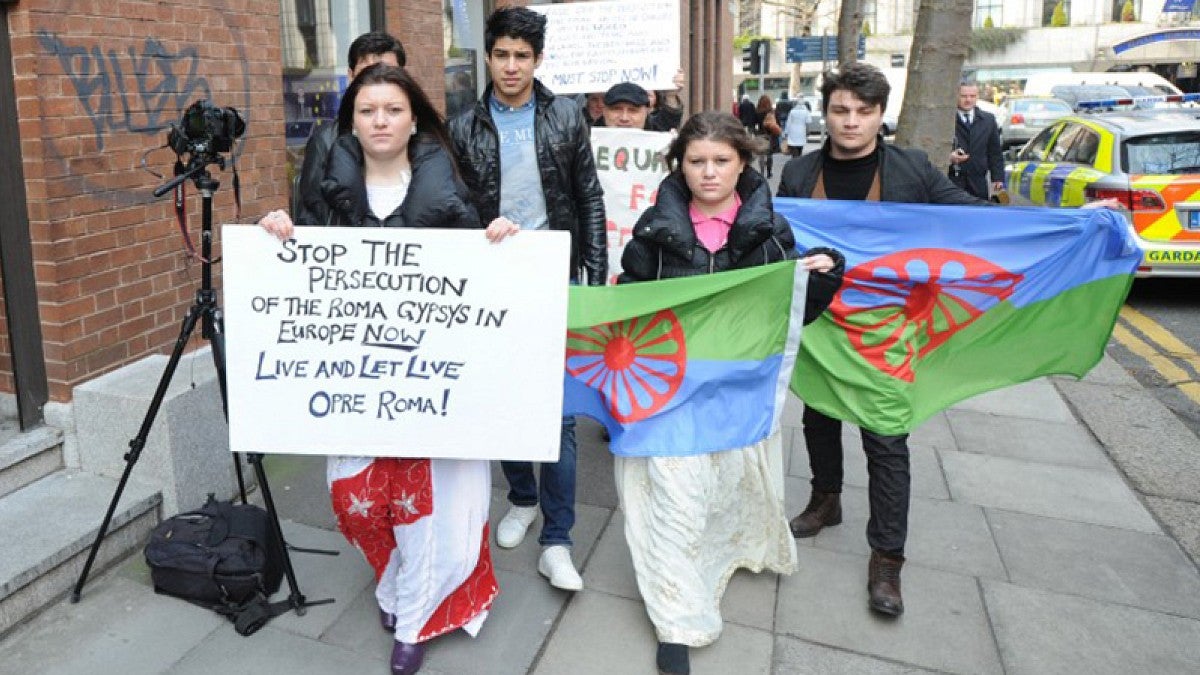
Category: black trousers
<point>888,480</point>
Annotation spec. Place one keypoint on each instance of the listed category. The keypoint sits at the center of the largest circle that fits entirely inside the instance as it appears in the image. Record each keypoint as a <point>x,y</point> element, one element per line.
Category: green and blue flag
<point>939,303</point>
<point>685,366</point>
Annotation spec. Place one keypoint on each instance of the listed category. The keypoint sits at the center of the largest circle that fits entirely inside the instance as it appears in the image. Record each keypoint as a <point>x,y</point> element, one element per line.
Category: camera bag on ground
<point>222,556</point>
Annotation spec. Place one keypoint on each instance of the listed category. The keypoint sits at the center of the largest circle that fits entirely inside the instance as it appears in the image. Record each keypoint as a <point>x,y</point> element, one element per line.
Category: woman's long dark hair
<point>714,126</point>
<point>430,123</point>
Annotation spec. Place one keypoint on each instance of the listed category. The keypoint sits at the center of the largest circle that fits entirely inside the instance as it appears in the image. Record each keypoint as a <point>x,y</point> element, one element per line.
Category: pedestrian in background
<point>976,155</point>
<point>692,520</point>
<point>769,129</point>
<point>526,156</point>
<point>367,49</point>
<point>422,524</point>
<point>795,128</point>
<point>748,114</point>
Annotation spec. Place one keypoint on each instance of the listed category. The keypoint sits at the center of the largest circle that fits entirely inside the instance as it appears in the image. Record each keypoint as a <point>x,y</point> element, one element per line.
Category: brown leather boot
<point>883,583</point>
<point>824,508</point>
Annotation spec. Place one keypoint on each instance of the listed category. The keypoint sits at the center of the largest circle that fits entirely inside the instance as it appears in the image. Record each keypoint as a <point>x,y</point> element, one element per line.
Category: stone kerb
<point>186,454</point>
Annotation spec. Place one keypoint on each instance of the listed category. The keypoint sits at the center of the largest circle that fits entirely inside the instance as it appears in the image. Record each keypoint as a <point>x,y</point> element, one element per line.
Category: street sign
<point>818,48</point>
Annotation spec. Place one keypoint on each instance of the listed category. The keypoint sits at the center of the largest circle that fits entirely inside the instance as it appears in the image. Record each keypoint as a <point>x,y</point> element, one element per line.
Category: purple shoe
<point>406,658</point>
<point>388,621</point>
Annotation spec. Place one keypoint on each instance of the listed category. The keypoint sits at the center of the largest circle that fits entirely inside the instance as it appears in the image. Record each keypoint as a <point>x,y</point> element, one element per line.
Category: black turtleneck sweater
<point>849,178</point>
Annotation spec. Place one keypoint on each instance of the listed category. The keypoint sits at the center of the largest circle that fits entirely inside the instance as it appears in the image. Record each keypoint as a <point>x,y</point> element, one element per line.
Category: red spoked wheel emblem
<point>897,308</point>
<point>637,364</point>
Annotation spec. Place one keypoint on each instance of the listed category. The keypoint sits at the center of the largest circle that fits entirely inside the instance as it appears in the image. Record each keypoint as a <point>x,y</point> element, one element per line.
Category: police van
<point>1073,87</point>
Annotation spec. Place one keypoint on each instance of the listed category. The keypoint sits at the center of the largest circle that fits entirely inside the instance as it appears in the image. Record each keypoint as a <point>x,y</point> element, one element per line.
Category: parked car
<point>1149,160</point>
<point>816,119</point>
<point>1022,117</point>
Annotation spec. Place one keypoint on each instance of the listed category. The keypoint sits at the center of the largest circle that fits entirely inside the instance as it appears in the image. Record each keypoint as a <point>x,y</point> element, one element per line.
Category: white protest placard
<point>630,164</point>
<point>590,46</point>
<point>395,342</point>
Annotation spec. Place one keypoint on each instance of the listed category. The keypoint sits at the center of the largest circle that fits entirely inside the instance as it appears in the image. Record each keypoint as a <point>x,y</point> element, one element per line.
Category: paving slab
<point>610,568</point>
<point>1066,492</point>
<point>607,635</point>
<point>272,650</point>
<point>1182,520</point>
<point>1107,372</point>
<point>1158,453</point>
<point>942,535</point>
<point>341,577</point>
<point>600,634</point>
<point>1043,633</point>
<point>944,626</point>
<point>299,489</point>
<point>749,599</point>
<point>1104,563</point>
<point>1036,399</point>
<point>934,433</point>
<point>590,521</point>
<point>118,627</point>
<point>517,625</point>
<point>927,479</point>
<point>1068,444</point>
<point>798,657</point>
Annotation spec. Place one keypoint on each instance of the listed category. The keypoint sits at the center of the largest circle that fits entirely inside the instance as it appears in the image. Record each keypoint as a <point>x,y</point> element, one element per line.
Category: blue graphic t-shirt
<point>521,197</point>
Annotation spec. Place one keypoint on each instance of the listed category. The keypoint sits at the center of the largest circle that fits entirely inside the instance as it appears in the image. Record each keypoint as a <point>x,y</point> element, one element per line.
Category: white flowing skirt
<point>692,521</point>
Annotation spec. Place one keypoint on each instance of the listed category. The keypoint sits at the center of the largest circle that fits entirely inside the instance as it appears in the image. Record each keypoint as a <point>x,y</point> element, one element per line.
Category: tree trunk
<point>849,26</point>
<point>940,43</point>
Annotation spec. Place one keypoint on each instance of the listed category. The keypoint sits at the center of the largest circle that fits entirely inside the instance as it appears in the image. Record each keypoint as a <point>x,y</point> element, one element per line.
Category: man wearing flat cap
<point>626,105</point>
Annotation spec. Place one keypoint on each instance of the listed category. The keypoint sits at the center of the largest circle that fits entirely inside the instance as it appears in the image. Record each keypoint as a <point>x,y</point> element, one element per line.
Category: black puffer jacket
<point>665,245</point>
<point>574,199</point>
<point>312,208</point>
<point>436,197</point>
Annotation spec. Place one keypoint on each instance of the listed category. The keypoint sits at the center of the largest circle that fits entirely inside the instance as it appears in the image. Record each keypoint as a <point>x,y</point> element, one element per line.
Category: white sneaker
<point>555,564</point>
<point>513,526</point>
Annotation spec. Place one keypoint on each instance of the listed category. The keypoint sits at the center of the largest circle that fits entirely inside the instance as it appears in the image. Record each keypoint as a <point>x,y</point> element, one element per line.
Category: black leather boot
<point>883,583</point>
<point>824,508</point>
<point>672,659</point>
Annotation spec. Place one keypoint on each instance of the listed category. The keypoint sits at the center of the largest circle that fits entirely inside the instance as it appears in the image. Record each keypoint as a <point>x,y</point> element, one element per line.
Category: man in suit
<point>976,151</point>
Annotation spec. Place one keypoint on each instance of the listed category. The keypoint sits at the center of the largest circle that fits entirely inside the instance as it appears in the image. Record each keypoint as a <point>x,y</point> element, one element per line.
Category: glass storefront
<point>316,35</point>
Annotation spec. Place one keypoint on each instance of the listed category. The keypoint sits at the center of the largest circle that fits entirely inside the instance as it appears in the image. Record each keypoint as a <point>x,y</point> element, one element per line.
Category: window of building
<point>870,14</point>
<point>316,35</point>
<point>1048,11</point>
<point>462,40</point>
<point>985,9</point>
<point>1118,11</point>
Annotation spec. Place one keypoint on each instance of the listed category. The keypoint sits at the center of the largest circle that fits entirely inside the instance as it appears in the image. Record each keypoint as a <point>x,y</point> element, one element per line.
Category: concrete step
<point>28,456</point>
<point>48,527</point>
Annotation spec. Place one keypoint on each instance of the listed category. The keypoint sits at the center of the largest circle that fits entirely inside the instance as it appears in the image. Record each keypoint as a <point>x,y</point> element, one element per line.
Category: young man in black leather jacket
<point>526,157</point>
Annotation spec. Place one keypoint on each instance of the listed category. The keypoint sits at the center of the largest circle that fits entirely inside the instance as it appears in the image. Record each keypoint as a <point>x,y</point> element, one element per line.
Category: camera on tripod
<point>205,130</point>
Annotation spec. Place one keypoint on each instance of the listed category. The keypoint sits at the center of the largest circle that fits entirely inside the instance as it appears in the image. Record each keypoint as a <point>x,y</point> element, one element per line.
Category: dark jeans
<point>887,476</point>
<point>556,493</point>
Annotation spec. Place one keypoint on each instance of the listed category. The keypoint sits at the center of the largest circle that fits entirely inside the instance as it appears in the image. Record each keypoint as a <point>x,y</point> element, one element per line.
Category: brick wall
<point>418,24</point>
<point>96,83</point>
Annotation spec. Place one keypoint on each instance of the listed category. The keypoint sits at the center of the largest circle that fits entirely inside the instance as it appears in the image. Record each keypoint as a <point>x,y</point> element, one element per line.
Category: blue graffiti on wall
<point>102,88</point>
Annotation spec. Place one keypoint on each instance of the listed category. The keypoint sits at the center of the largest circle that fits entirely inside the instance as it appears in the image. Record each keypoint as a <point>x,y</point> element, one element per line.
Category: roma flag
<point>685,366</point>
<point>941,303</point>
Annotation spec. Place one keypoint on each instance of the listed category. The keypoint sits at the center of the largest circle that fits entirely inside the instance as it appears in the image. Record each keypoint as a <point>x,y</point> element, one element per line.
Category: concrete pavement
<point>1029,552</point>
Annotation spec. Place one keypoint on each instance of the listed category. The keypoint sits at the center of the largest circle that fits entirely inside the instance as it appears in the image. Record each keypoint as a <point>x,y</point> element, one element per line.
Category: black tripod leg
<point>139,441</point>
<point>214,331</point>
<point>214,326</point>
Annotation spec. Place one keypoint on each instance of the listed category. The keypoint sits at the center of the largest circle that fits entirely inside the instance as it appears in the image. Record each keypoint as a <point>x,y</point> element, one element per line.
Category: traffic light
<point>750,57</point>
<point>764,57</point>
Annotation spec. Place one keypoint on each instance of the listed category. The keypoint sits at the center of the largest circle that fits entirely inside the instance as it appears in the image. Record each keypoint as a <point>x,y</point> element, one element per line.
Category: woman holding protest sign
<point>692,520</point>
<point>422,524</point>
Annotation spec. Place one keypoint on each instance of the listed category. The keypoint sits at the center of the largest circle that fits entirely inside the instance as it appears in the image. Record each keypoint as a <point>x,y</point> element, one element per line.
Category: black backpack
<point>223,556</point>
